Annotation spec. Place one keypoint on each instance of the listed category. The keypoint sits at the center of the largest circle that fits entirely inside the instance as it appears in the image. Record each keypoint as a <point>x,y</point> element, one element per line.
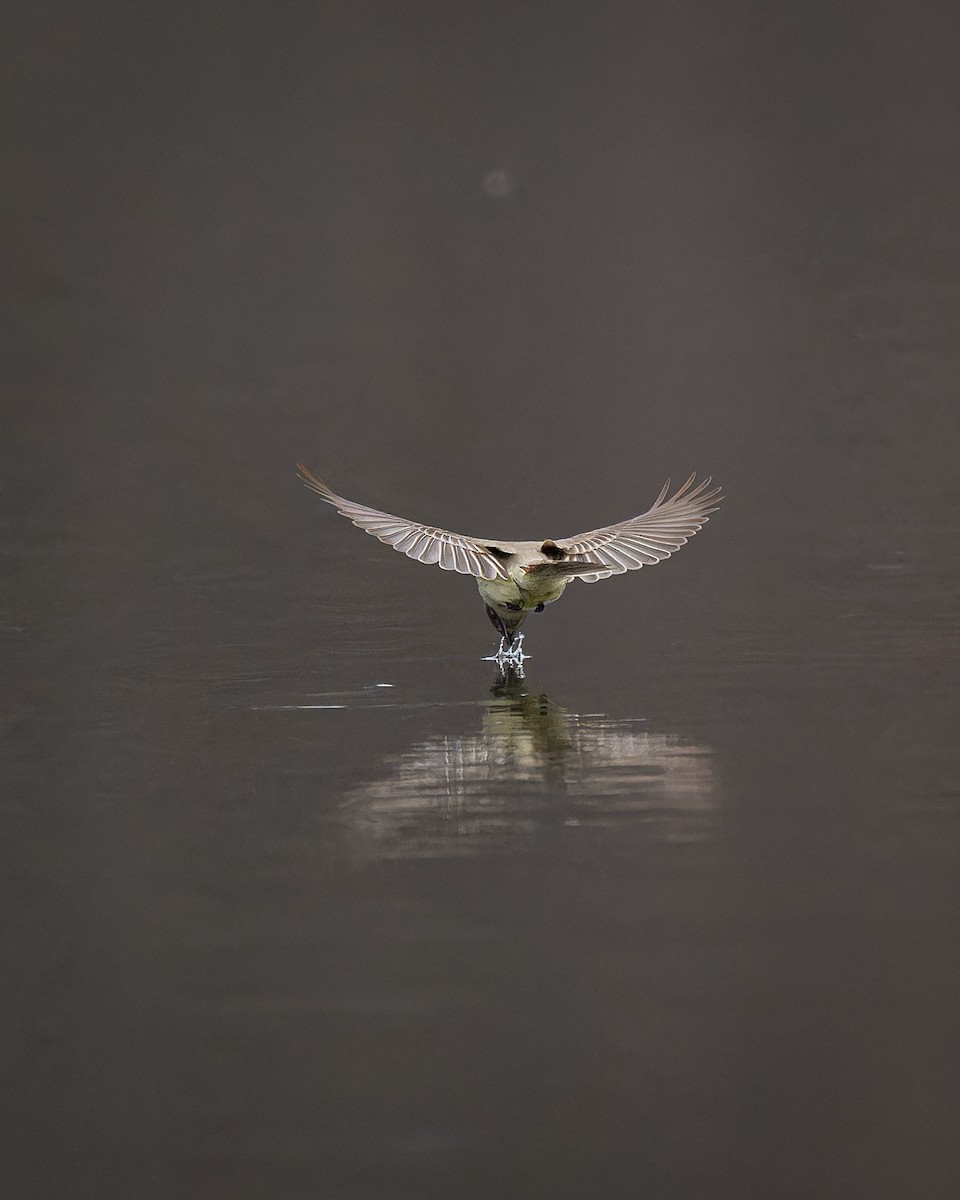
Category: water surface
<point>304,899</point>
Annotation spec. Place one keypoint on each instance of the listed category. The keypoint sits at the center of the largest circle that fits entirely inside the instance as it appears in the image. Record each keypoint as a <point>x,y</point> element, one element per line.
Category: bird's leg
<point>501,651</point>
<point>497,621</point>
<point>509,653</point>
<point>512,661</point>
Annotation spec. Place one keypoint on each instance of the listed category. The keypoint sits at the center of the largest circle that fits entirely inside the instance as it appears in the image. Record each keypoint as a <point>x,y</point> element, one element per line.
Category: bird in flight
<point>517,578</point>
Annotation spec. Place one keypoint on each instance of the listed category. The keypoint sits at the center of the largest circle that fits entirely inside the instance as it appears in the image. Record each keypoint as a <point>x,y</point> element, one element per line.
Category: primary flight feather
<point>516,578</point>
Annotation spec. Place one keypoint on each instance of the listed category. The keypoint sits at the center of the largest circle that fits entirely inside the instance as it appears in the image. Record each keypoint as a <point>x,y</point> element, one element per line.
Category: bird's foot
<point>511,656</point>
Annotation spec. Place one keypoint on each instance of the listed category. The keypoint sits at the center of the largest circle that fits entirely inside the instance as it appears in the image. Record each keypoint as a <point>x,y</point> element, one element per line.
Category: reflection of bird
<point>531,765</point>
<point>516,578</point>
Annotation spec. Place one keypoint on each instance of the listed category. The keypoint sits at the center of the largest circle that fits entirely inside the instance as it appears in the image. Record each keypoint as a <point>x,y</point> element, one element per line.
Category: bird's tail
<point>568,570</point>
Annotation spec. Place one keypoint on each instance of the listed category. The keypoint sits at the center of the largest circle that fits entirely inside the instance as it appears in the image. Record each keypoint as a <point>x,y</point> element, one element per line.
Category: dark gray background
<point>685,925</point>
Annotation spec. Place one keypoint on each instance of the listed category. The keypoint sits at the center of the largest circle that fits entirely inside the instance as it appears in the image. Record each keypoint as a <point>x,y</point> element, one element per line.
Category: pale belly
<point>519,596</point>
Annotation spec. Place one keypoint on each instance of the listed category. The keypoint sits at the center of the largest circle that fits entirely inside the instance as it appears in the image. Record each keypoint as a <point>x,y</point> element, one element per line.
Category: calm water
<point>305,900</point>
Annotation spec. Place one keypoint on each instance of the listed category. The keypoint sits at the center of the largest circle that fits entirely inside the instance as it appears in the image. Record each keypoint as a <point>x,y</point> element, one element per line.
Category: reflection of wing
<point>649,538</point>
<point>450,551</point>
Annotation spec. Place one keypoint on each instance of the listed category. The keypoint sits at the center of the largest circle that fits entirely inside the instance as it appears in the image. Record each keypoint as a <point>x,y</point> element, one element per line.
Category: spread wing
<point>450,551</point>
<point>649,538</point>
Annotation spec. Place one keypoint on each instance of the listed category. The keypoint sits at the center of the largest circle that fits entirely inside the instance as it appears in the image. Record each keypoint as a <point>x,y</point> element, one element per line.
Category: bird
<point>518,578</point>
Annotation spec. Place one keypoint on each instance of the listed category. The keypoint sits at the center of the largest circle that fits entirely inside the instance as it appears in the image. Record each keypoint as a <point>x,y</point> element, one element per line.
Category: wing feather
<point>408,542</point>
<point>649,538</point>
<point>450,551</point>
<point>430,552</point>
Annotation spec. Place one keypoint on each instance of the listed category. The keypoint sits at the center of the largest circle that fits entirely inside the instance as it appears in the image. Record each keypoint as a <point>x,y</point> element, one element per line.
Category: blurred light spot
<point>498,183</point>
